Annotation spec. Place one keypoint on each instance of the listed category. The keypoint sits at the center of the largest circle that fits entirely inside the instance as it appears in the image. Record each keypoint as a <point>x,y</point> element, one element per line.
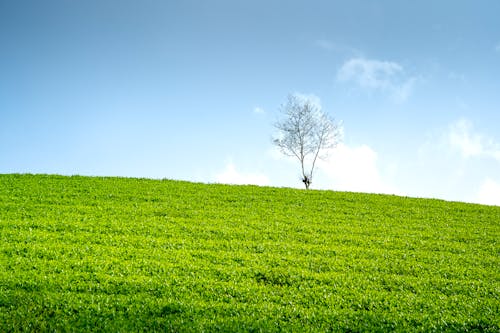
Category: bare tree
<point>306,133</point>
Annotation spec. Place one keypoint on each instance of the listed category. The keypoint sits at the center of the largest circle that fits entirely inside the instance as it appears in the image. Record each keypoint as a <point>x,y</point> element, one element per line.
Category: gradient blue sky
<point>190,90</point>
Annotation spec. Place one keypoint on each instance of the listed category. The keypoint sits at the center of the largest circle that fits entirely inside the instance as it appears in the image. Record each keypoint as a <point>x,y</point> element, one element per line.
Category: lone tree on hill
<point>306,132</point>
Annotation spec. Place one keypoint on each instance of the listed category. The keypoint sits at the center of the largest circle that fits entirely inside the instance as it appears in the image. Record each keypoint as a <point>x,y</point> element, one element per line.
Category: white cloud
<point>355,169</point>
<point>497,47</point>
<point>259,110</point>
<point>231,176</point>
<point>462,138</point>
<point>369,73</point>
<point>379,75</point>
<point>489,193</point>
<point>459,163</point>
<point>402,93</point>
<point>346,168</point>
<point>456,163</point>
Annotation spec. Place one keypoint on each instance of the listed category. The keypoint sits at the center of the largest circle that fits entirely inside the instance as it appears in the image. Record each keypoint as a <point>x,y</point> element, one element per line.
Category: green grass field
<point>121,254</point>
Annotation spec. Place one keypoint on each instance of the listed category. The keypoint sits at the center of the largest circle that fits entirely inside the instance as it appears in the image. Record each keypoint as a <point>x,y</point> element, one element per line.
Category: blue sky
<point>190,90</point>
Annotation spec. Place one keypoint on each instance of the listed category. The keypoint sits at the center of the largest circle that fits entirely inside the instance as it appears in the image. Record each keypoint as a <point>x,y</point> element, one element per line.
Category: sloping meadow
<point>122,254</point>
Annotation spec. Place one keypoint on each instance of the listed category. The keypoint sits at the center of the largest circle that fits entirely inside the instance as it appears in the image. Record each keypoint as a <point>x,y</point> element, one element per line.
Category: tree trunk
<point>307,181</point>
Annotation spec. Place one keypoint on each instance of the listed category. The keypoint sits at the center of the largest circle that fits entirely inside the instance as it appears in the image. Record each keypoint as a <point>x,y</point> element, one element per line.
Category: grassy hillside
<point>115,254</point>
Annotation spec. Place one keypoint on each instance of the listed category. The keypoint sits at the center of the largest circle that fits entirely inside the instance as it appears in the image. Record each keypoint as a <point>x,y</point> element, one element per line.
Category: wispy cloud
<point>462,138</point>
<point>347,168</point>
<point>497,48</point>
<point>355,169</point>
<point>231,176</point>
<point>369,73</point>
<point>402,92</point>
<point>386,76</point>
<point>458,162</point>
<point>259,110</point>
<point>488,193</point>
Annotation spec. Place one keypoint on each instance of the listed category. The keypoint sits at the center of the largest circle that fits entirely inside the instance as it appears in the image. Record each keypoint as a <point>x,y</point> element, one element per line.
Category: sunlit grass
<point>119,254</point>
